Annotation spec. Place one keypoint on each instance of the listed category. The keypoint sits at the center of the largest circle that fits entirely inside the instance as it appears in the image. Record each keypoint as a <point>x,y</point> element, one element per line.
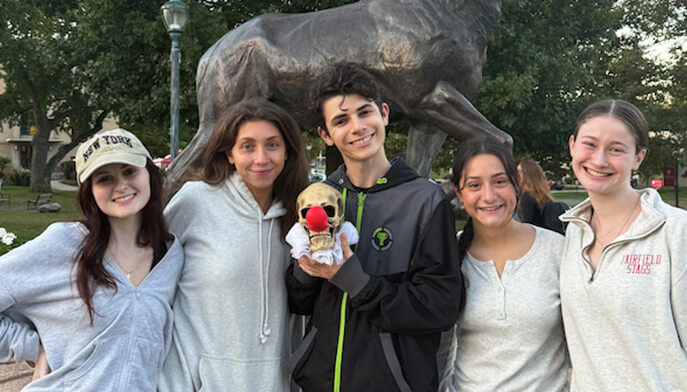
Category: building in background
<point>15,140</point>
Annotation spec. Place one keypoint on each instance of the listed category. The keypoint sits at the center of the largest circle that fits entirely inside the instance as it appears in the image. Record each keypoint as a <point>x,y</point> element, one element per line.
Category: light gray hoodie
<point>231,328</point>
<point>123,350</point>
<point>626,321</point>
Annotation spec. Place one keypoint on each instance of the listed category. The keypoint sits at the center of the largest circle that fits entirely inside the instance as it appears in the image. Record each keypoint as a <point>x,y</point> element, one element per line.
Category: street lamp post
<point>308,148</point>
<point>174,15</point>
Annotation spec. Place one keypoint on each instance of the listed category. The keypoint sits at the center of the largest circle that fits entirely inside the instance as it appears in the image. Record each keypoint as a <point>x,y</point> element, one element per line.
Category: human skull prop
<point>319,194</point>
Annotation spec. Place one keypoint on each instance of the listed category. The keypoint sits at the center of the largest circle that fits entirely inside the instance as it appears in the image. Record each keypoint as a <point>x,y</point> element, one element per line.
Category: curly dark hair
<point>344,79</point>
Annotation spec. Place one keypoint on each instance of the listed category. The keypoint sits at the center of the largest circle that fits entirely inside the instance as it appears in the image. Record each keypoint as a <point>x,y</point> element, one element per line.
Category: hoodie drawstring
<point>264,286</point>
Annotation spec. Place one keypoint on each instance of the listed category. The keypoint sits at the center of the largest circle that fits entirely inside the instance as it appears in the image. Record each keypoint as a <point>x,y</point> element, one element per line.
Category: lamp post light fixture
<point>174,15</point>
<point>308,148</point>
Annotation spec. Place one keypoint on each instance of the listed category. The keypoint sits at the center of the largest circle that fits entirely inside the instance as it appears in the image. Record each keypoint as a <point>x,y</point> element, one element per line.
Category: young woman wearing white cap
<point>94,297</point>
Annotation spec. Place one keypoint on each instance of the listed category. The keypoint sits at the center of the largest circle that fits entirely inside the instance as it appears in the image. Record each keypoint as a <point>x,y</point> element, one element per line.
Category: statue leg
<point>424,142</point>
<point>447,109</point>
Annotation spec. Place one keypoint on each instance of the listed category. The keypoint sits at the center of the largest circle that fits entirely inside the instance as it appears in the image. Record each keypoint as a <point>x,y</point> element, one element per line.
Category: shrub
<point>19,177</point>
<point>68,168</point>
<point>4,163</point>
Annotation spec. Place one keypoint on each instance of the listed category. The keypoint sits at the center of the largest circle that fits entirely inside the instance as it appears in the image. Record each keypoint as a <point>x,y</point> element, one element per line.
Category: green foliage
<point>68,169</point>
<point>237,12</point>
<point>547,60</point>
<point>396,139</point>
<point>317,145</point>
<point>4,162</point>
<point>665,149</point>
<point>19,177</point>
<point>656,86</point>
<point>542,65</point>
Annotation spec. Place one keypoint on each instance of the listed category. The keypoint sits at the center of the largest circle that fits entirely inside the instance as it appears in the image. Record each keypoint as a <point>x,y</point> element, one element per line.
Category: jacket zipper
<point>344,299</point>
<point>594,272</point>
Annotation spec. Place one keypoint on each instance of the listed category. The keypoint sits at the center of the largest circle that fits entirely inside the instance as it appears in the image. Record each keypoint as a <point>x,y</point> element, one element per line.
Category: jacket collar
<point>398,173</point>
<point>239,192</point>
<point>650,217</point>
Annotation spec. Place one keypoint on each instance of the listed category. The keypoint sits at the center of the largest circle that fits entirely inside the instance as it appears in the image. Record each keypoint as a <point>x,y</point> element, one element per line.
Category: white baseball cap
<point>115,146</point>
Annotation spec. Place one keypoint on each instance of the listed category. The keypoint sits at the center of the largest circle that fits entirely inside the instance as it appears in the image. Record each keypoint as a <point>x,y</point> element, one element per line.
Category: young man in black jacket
<point>376,318</point>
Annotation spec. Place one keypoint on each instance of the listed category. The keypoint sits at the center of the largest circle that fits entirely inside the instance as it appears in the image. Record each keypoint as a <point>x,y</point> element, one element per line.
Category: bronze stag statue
<point>427,56</point>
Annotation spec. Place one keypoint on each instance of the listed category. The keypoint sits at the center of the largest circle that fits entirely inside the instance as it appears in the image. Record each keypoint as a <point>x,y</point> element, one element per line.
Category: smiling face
<point>120,190</point>
<point>356,126</point>
<point>604,155</point>
<point>486,191</point>
<point>258,155</point>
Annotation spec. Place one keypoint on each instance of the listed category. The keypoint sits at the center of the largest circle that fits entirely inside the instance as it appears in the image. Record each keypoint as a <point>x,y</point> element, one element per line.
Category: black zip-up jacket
<point>376,324</point>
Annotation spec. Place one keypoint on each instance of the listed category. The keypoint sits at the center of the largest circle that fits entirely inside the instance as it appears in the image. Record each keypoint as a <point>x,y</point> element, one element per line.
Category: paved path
<point>14,377</point>
<point>62,187</point>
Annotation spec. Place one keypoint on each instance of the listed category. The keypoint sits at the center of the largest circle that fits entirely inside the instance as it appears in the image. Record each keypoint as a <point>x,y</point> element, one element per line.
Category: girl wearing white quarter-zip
<point>624,267</point>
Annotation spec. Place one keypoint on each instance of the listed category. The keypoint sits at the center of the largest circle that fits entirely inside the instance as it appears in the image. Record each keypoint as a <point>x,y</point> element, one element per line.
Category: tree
<point>656,84</point>
<point>70,63</point>
<point>128,65</point>
<point>542,65</point>
<point>37,66</point>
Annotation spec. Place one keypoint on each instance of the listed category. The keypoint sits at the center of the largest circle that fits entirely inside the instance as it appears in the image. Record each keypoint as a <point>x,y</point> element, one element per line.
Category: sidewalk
<point>14,377</point>
<point>62,187</point>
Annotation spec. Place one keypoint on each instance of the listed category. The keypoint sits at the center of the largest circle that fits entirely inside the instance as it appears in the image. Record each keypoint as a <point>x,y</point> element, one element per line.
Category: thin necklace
<point>617,232</point>
<point>128,273</point>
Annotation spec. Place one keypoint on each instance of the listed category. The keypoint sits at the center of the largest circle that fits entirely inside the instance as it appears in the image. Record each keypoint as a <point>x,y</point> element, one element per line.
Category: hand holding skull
<point>320,225</point>
<point>320,270</point>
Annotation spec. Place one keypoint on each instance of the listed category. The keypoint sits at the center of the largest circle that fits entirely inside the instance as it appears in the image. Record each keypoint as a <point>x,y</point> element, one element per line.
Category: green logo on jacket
<point>382,239</point>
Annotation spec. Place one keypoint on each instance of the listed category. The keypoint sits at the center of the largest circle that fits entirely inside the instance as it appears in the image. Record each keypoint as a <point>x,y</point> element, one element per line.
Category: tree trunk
<point>64,149</point>
<point>41,167</point>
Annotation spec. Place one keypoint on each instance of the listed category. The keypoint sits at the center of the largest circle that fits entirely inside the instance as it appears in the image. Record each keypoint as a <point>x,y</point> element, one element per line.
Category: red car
<point>555,185</point>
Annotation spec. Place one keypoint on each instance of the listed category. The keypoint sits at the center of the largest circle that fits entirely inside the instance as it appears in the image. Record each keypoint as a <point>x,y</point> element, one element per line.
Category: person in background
<point>624,267</point>
<point>231,329</point>
<point>510,335</point>
<point>91,300</point>
<point>536,206</point>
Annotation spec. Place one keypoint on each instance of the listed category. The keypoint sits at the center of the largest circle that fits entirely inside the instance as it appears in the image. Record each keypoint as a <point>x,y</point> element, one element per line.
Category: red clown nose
<point>316,219</point>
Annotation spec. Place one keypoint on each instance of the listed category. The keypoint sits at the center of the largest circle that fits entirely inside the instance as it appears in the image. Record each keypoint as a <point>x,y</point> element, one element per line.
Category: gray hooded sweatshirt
<point>231,329</point>
<point>123,350</point>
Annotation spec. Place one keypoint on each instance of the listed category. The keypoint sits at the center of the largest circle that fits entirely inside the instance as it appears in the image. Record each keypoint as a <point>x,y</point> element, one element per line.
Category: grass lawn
<point>459,224</point>
<point>668,195</point>
<point>569,195</point>
<point>27,224</point>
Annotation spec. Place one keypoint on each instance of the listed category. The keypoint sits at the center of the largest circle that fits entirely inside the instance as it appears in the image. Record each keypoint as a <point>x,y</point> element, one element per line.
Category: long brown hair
<point>533,181</point>
<point>215,168</point>
<point>90,269</point>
